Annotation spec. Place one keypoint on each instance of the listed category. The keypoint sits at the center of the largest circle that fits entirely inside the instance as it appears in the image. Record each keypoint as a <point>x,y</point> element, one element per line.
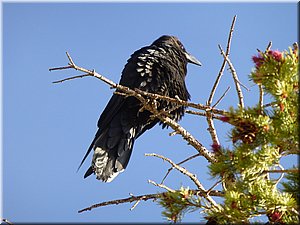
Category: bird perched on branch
<point>158,68</point>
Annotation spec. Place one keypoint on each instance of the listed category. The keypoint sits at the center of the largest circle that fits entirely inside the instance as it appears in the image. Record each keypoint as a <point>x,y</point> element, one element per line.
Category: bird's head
<point>172,41</point>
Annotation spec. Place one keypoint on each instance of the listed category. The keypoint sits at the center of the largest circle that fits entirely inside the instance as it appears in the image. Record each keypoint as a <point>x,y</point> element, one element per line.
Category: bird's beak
<point>192,59</point>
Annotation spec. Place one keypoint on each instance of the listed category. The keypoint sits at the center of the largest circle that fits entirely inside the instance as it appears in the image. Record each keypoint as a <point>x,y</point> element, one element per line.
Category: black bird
<point>159,68</point>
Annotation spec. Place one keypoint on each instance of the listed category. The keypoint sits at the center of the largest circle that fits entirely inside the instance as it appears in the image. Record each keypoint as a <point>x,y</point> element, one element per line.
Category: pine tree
<point>261,136</point>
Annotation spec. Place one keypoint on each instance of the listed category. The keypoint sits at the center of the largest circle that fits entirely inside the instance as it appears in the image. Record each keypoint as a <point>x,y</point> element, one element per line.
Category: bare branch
<point>202,114</point>
<point>134,205</point>
<point>123,200</point>
<point>71,60</point>
<point>195,112</point>
<point>93,73</point>
<point>189,174</point>
<point>235,78</point>
<point>230,35</point>
<point>145,197</point>
<point>161,186</point>
<point>210,122</point>
<point>180,169</point>
<point>61,68</point>
<point>211,129</point>
<point>71,78</point>
<point>209,118</point>
<point>220,99</point>
<point>181,102</point>
<point>183,161</point>
<point>189,138</point>
<point>211,126</point>
<point>176,127</point>
<point>179,129</point>
<point>212,187</point>
<point>223,64</point>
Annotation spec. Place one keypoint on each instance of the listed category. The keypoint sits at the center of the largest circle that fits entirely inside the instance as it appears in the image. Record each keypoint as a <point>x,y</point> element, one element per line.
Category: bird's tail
<point>105,166</point>
<point>112,151</point>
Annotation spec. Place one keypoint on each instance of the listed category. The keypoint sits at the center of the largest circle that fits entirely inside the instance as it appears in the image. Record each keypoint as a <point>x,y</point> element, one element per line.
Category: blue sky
<point>48,127</point>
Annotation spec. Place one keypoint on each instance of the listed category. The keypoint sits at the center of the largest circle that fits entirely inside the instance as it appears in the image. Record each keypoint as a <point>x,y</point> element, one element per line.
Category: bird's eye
<point>180,45</point>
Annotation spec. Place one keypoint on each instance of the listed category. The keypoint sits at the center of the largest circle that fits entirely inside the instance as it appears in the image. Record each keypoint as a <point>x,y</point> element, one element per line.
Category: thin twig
<point>123,200</point>
<point>60,68</point>
<point>135,204</point>
<point>70,78</point>
<point>189,174</point>
<point>180,169</point>
<point>223,64</point>
<point>243,85</point>
<point>261,98</point>
<point>281,175</point>
<point>269,46</point>
<point>195,112</point>
<point>93,73</point>
<point>71,60</point>
<point>209,118</point>
<point>211,129</point>
<point>212,187</point>
<point>220,99</point>
<point>189,138</point>
<point>161,186</point>
<point>181,102</point>
<point>202,114</point>
<point>166,113</point>
<point>145,197</point>
<point>235,78</point>
<point>183,161</point>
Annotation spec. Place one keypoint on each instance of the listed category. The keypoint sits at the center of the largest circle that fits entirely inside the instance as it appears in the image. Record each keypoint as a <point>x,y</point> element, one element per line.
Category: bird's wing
<point>131,77</point>
<point>112,107</point>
